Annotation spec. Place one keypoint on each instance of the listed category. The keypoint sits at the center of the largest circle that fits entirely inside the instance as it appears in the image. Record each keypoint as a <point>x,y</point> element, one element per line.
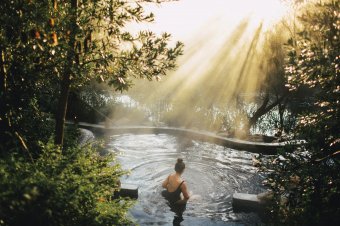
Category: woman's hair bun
<point>179,166</point>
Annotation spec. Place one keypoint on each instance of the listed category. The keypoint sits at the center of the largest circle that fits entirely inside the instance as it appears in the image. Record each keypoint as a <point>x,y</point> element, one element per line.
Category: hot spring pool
<point>213,172</point>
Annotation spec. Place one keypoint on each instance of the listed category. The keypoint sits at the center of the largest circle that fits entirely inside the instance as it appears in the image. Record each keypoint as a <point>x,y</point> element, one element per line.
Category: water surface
<point>213,172</point>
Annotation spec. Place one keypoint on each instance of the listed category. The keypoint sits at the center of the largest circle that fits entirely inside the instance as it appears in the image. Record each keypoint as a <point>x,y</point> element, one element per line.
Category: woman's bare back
<point>173,182</point>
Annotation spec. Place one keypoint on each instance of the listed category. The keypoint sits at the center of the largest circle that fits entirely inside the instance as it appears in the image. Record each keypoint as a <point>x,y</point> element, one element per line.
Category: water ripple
<point>212,172</point>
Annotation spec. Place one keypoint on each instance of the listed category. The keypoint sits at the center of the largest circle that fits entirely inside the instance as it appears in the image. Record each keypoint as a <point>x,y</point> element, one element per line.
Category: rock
<point>128,190</point>
<point>86,136</point>
<point>246,202</point>
<point>251,202</point>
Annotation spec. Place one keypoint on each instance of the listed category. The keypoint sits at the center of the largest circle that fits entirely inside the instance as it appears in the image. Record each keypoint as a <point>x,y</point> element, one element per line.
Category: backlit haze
<point>224,53</point>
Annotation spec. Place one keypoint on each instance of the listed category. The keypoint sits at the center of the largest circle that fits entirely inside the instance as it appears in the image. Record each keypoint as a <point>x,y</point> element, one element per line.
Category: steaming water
<point>212,172</point>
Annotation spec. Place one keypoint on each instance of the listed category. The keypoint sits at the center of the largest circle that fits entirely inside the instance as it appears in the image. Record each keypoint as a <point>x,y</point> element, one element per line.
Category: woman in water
<point>175,185</point>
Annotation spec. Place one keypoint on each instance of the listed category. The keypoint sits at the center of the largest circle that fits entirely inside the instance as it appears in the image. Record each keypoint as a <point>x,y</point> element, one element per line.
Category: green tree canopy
<point>66,44</point>
<point>48,49</point>
<point>306,182</point>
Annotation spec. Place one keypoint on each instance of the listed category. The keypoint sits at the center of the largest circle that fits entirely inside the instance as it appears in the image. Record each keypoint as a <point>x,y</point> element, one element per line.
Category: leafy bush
<point>306,182</point>
<point>305,191</point>
<point>69,187</point>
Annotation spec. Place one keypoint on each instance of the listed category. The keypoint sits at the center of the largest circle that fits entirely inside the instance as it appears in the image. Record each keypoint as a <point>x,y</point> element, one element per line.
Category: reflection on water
<point>213,172</point>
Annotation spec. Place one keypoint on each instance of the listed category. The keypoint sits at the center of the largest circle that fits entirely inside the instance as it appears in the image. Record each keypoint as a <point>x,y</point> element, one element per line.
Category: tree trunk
<point>2,86</point>
<point>4,123</point>
<point>282,108</point>
<point>264,109</point>
<point>66,80</point>
<point>259,112</point>
<point>61,110</point>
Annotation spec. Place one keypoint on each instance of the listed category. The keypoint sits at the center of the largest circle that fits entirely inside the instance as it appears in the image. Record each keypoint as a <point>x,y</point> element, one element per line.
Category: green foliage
<point>103,48</point>
<point>314,62</point>
<point>21,73</point>
<point>47,50</point>
<point>50,48</point>
<point>306,182</point>
<point>90,104</point>
<point>271,120</point>
<point>73,187</point>
<point>306,192</point>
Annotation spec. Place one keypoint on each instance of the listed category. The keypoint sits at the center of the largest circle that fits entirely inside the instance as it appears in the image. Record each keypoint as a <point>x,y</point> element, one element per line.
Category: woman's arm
<point>165,182</point>
<point>185,192</point>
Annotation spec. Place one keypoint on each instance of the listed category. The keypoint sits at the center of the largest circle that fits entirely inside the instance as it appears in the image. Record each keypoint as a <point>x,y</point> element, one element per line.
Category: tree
<point>272,92</point>
<point>67,44</point>
<point>96,45</point>
<point>22,73</point>
<point>306,182</point>
<point>49,46</point>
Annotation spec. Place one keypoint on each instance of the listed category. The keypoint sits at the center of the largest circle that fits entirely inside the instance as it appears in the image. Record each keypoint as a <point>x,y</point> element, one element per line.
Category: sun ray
<point>222,56</point>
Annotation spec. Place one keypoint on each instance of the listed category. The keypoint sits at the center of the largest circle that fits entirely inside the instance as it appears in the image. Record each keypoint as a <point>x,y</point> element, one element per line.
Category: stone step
<point>128,190</point>
<point>250,202</point>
